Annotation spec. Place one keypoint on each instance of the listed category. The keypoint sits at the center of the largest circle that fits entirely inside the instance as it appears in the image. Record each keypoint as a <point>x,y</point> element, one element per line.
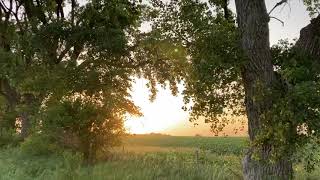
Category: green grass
<point>155,165</point>
<point>208,163</point>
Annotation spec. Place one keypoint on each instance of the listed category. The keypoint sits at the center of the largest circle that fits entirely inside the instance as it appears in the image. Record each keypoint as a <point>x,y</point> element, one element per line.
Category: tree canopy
<point>68,68</point>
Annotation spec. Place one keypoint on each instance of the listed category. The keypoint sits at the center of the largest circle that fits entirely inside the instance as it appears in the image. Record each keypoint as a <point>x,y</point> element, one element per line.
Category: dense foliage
<point>208,34</point>
<point>67,69</point>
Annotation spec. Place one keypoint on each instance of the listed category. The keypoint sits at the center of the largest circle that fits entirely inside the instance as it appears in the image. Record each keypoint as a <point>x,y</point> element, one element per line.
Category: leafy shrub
<point>309,155</point>
<point>8,137</point>
<point>39,144</point>
<point>87,126</point>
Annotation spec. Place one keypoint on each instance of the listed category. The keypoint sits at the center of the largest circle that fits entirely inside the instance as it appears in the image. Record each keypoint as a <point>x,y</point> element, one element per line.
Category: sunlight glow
<point>163,113</point>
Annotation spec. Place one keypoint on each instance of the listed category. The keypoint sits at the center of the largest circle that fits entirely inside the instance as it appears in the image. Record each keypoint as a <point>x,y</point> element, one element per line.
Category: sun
<point>151,122</point>
<point>142,126</point>
<point>163,113</point>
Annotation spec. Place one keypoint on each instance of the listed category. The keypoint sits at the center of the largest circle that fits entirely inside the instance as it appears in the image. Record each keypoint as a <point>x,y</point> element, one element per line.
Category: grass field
<point>141,157</point>
<point>217,145</point>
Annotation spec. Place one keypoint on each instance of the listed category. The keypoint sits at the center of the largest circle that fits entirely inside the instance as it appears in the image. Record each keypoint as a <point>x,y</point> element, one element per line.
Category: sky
<point>165,115</point>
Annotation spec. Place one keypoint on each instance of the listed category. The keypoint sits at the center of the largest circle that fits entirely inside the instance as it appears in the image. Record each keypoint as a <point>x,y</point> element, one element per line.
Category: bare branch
<point>278,4</point>
<point>278,20</point>
<point>15,14</point>
<point>226,10</point>
<point>7,9</point>
<point>62,55</point>
<point>59,10</point>
<point>3,8</point>
<point>73,6</point>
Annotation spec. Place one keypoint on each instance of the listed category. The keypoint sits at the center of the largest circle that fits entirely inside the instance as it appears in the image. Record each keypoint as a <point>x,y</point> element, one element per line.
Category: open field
<point>142,157</point>
<point>218,145</point>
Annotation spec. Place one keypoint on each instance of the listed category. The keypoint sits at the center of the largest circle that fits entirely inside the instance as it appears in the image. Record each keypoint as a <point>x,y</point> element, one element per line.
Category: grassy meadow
<point>141,157</point>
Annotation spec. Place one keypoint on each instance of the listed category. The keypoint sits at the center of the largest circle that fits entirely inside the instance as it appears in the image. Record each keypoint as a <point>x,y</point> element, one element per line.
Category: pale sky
<point>165,115</point>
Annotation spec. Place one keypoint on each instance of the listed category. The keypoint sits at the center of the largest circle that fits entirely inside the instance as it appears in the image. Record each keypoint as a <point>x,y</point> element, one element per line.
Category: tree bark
<point>253,22</point>
<point>309,40</point>
<point>28,100</point>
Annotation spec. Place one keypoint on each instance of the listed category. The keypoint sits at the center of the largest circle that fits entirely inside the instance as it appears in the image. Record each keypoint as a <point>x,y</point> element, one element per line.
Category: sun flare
<point>144,125</point>
<point>165,112</point>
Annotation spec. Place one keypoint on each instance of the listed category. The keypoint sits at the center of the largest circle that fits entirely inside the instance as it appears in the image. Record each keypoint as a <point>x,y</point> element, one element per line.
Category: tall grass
<point>120,166</point>
<point>206,163</point>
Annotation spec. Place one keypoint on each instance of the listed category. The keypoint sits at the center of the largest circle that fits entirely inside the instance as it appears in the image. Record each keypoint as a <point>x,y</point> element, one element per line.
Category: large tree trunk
<point>258,73</point>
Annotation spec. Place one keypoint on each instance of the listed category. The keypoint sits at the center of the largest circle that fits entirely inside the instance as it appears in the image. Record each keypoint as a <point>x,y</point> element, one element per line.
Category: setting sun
<point>164,113</point>
<point>144,125</point>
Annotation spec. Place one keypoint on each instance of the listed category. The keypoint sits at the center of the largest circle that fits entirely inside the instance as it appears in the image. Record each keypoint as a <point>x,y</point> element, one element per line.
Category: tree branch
<point>33,11</point>
<point>5,7</point>
<point>278,4</point>
<point>62,54</point>
<point>73,6</point>
<point>226,10</point>
<point>278,20</point>
<point>59,10</point>
<point>15,14</point>
<point>7,10</point>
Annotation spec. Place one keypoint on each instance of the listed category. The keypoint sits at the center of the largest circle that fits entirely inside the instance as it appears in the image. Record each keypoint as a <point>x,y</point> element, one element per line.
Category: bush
<point>39,144</point>
<point>84,125</point>
<point>8,137</point>
<point>309,155</point>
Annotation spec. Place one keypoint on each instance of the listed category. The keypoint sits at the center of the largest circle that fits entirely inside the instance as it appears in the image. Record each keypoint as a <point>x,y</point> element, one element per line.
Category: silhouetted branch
<point>278,4</point>
<point>278,20</point>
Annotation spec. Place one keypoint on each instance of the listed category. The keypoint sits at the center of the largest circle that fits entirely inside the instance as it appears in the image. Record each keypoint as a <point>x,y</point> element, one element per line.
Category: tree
<point>72,64</point>
<point>68,68</point>
<point>85,125</point>
<point>289,100</point>
<point>258,73</point>
<point>231,68</point>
